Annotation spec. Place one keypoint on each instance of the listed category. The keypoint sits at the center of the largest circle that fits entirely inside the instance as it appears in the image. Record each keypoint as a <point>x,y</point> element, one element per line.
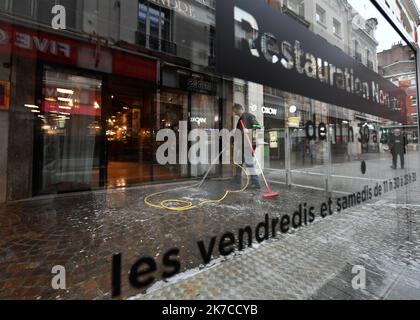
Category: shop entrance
<point>129,135</point>
<point>67,149</point>
<point>204,115</point>
<point>172,108</point>
<point>275,149</point>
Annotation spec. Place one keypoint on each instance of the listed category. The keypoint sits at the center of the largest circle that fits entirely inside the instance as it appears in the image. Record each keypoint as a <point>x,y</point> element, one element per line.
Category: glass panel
<point>70,125</point>
<point>154,16</point>
<point>309,145</point>
<point>172,109</point>
<point>274,117</point>
<point>320,15</point>
<point>154,27</point>
<point>143,22</point>
<point>128,138</point>
<point>204,116</point>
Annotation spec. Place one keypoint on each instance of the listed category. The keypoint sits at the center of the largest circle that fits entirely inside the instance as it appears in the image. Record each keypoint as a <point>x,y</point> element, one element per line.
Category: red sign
<point>134,66</point>
<point>50,47</point>
<point>37,44</point>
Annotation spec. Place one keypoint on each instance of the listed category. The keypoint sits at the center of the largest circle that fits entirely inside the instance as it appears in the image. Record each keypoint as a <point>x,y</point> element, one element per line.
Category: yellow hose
<point>188,205</point>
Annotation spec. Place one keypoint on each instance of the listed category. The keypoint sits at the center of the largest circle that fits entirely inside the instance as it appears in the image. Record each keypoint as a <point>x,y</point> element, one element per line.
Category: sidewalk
<point>316,262</point>
<point>83,231</point>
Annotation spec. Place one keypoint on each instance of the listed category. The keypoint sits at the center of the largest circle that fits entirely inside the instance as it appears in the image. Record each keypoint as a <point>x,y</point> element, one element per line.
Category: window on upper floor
<point>357,52</point>
<point>369,59</point>
<point>337,27</point>
<point>321,16</point>
<point>154,27</point>
<point>297,6</point>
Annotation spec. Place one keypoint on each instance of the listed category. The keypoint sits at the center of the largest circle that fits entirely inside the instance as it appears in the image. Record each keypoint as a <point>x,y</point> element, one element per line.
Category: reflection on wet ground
<point>83,231</point>
<point>318,262</point>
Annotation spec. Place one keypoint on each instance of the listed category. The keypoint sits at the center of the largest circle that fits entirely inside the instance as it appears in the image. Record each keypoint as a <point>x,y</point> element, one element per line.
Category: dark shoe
<point>393,167</point>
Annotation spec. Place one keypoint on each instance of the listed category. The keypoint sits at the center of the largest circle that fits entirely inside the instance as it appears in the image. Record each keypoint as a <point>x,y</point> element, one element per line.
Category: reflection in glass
<point>69,121</point>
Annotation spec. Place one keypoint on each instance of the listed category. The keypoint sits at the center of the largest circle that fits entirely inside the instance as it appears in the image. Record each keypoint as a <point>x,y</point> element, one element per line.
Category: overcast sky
<point>385,34</point>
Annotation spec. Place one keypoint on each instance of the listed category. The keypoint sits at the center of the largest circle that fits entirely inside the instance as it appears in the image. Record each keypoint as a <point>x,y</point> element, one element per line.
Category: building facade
<point>81,107</point>
<point>399,66</point>
<point>406,13</point>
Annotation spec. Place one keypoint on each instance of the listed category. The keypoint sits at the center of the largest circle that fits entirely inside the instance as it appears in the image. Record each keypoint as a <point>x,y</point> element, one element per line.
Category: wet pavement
<point>83,231</point>
<point>317,262</point>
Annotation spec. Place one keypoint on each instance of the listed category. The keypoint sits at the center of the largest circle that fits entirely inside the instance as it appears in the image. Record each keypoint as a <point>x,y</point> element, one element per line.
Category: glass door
<point>70,131</point>
<point>205,116</point>
<point>172,109</point>
<point>129,147</point>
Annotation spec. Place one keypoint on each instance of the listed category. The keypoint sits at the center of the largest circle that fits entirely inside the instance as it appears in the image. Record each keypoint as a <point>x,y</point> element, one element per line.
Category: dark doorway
<point>129,133</point>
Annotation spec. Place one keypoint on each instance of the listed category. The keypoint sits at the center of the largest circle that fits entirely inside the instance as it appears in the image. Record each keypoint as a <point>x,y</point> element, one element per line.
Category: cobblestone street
<point>83,231</point>
<point>316,262</point>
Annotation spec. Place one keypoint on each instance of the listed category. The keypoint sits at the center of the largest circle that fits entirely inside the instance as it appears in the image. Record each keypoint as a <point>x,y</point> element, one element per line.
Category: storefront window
<point>320,135</point>
<point>204,116</point>
<point>172,108</point>
<point>303,135</point>
<point>129,121</point>
<point>69,128</point>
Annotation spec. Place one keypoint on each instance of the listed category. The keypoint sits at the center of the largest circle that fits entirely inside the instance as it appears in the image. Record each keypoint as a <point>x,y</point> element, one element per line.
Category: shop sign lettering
<point>200,85</point>
<point>265,110</point>
<point>198,120</point>
<point>44,45</point>
<point>177,5</point>
<point>262,45</point>
<point>38,45</point>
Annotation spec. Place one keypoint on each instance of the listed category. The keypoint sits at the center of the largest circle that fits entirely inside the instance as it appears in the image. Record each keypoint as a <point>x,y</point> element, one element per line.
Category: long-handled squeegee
<point>269,194</point>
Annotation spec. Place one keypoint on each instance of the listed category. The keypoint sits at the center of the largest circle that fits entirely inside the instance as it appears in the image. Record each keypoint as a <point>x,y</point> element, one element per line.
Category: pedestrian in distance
<point>397,144</point>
